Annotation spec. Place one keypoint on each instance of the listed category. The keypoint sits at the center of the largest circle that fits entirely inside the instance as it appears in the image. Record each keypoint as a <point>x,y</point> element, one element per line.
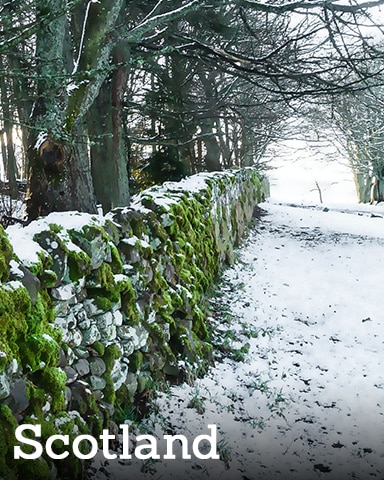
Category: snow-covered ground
<point>297,391</point>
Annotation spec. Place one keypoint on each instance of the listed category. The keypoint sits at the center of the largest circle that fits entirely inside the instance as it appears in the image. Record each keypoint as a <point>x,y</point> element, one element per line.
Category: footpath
<point>297,389</point>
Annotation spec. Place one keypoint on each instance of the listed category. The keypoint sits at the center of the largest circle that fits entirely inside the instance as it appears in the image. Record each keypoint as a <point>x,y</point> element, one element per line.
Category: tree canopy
<point>106,97</point>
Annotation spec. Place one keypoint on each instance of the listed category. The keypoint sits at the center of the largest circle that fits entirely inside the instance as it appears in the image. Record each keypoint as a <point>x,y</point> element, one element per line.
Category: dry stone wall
<point>97,310</point>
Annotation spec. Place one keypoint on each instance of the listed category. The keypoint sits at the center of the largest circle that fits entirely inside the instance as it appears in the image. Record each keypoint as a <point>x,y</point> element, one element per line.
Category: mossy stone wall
<point>97,310</point>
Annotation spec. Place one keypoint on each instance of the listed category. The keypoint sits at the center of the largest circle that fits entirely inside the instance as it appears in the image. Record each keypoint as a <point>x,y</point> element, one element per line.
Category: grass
<point>197,402</point>
<point>224,452</point>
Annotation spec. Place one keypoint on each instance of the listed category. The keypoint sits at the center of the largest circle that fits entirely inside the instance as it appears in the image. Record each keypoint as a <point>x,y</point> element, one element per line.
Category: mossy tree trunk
<point>59,165</point>
<point>109,149</point>
<point>47,154</point>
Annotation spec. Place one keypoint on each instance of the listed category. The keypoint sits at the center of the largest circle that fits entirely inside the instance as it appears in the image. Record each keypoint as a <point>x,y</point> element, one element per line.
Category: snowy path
<point>299,393</point>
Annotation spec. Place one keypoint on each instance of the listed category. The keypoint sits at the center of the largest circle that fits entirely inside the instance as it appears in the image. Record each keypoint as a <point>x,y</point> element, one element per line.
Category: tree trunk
<point>225,150</point>
<point>60,177</point>
<point>11,165</point>
<point>109,153</point>
<point>3,153</point>
<point>246,155</point>
<point>59,172</point>
<point>363,185</point>
<point>213,151</point>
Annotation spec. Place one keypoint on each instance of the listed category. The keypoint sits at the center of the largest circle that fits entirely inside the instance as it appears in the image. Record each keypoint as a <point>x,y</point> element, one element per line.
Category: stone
<point>119,374</point>
<point>5,388</point>
<point>71,373</point>
<point>85,324</point>
<point>99,395</point>
<point>131,383</point>
<point>66,323</point>
<point>171,370</point>
<point>116,306</point>
<point>20,400</point>
<point>170,273</point>
<point>77,308</point>
<point>64,292</point>
<point>26,277</point>
<point>109,407</point>
<point>94,244</point>
<point>79,392</point>
<point>167,333</point>
<point>108,334</point>
<point>134,256</point>
<point>129,348</point>
<point>48,241</point>
<point>76,338</point>
<point>67,395</point>
<point>148,272</point>
<point>91,308</point>
<point>80,313</point>
<point>97,366</point>
<point>81,294</point>
<point>97,383</point>
<point>63,359</point>
<point>81,352</point>
<point>61,308</point>
<point>13,368</point>
<point>82,367</point>
<point>118,318</point>
<point>104,320</point>
<point>91,335</point>
<point>71,355</point>
<point>125,332</point>
<point>141,335</point>
<point>66,336</point>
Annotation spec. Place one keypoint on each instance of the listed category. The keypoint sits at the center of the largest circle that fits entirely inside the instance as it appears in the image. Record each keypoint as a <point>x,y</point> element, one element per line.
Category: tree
<point>220,84</point>
<point>359,119</point>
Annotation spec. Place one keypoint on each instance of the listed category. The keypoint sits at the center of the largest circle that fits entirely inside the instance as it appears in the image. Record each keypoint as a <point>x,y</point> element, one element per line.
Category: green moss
<point>78,261</point>
<point>79,265</point>
<point>96,422</point>
<point>111,354</point>
<point>116,263</point>
<point>109,389</point>
<point>6,253</point>
<point>37,397</point>
<point>112,232</point>
<point>104,299</point>
<point>157,332</point>
<point>166,317</point>
<point>99,348</point>
<point>102,277</point>
<point>41,351</point>
<point>129,307</point>
<point>54,228</point>
<point>34,469</point>
<point>124,405</point>
<point>48,279</point>
<point>103,303</point>
<point>123,285</point>
<point>156,228</point>
<point>53,380</point>
<point>15,307</point>
<point>135,361</point>
<point>8,426</point>
<point>182,235</point>
<point>199,324</point>
<point>138,225</point>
